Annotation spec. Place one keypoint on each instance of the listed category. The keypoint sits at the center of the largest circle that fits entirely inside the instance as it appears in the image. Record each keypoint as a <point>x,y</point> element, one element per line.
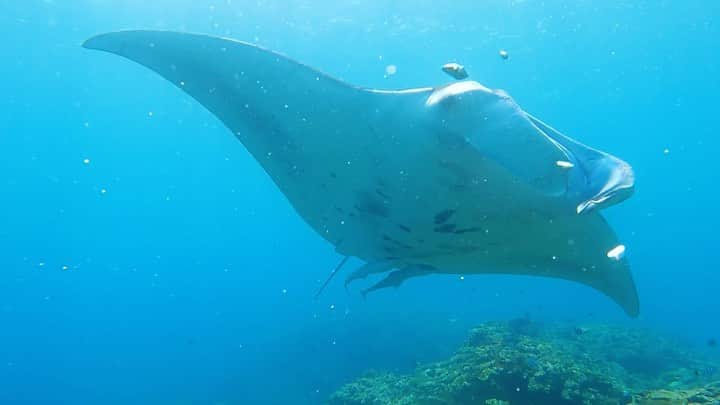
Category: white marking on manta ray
<point>432,170</point>
<point>617,252</point>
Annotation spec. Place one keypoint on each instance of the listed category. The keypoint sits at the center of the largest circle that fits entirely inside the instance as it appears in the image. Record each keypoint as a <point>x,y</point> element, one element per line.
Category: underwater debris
<point>504,54</point>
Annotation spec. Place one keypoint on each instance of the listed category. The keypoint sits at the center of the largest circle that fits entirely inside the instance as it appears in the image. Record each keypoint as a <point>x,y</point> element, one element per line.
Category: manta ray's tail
<point>331,276</point>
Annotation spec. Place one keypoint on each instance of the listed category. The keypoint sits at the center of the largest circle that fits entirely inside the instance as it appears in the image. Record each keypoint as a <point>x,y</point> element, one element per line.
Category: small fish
<point>455,70</point>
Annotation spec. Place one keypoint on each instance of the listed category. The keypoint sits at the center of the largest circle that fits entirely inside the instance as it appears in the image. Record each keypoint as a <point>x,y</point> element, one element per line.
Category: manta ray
<point>454,179</point>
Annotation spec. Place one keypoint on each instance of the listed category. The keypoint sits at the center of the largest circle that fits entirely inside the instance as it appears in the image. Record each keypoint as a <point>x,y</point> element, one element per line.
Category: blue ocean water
<point>148,258</point>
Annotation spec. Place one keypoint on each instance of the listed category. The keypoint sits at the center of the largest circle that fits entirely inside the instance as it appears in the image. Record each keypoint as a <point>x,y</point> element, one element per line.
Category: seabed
<point>523,362</point>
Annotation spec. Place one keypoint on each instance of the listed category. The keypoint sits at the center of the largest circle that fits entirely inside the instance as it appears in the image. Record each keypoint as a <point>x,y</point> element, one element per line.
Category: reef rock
<point>522,362</point>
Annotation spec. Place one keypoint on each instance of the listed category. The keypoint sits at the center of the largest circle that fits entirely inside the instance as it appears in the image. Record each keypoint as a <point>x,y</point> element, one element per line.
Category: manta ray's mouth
<point>596,179</point>
<point>619,185</point>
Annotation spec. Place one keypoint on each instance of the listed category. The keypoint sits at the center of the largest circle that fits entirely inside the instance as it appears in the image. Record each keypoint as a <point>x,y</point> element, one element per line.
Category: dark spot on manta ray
<point>396,242</point>
<point>389,250</point>
<point>404,228</point>
<point>467,230</point>
<point>445,228</point>
<point>333,175</point>
<point>369,204</point>
<point>442,216</point>
<point>454,249</point>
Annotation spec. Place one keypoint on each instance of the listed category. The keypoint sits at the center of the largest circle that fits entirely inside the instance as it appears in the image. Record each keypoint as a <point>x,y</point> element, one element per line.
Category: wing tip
<point>632,306</point>
<point>103,42</point>
<point>93,42</point>
<point>107,41</point>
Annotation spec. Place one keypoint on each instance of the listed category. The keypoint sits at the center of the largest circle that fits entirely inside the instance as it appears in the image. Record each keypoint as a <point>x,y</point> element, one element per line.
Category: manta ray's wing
<point>313,134</point>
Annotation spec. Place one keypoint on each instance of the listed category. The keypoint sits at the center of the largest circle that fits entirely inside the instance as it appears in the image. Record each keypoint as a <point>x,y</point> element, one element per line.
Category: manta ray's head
<point>493,124</point>
<point>471,99</point>
<point>607,181</point>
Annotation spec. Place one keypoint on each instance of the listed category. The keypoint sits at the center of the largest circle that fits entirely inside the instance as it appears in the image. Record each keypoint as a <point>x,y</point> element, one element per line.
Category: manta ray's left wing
<point>325,143</point>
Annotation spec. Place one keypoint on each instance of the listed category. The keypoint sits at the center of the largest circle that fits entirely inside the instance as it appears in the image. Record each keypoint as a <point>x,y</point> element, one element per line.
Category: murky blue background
<point>189,278</point>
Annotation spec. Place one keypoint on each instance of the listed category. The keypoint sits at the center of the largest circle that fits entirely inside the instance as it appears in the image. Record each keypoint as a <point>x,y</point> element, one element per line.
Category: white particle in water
<point>284,290</point>
<point>86,161</point>
<point>390,70</point>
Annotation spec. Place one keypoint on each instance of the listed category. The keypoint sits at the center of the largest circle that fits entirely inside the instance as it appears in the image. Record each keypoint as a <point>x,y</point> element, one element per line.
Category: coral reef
<point>525,362</point>
<point>709,394</point>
